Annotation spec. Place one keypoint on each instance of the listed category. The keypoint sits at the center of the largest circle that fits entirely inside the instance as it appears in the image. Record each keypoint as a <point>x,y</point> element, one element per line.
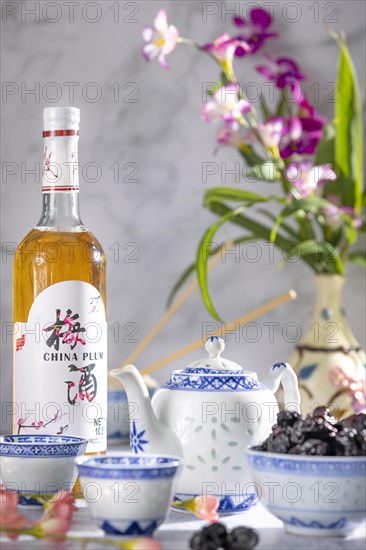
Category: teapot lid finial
<point>215,346</point>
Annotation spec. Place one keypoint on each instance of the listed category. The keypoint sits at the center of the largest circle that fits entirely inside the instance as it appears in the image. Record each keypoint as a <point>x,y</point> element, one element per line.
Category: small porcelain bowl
<point>128,494</point>
<point>319,496</point>
<point>37,466</point>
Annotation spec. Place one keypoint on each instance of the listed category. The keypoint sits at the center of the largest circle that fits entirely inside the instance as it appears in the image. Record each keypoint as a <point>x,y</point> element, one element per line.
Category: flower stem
<point>188,41</point>
<point>126,544</point>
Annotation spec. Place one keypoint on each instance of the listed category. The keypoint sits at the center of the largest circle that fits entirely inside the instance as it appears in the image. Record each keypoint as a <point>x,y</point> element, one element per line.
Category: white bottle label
<point>61,365</point>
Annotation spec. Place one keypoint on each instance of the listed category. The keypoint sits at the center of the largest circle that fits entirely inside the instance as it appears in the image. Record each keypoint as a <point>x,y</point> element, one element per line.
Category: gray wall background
<point>162,134</point>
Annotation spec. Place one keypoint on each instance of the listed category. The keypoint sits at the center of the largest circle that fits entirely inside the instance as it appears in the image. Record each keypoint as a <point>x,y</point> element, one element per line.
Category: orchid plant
<point>317,164</point>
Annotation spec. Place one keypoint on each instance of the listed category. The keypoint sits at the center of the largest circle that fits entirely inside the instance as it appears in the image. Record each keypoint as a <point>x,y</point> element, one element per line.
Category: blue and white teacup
<point>128,494</point>
<point>38,466</point>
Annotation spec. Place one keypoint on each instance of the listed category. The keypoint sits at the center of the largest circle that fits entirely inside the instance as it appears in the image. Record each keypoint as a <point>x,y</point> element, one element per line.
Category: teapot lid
<point>214,362</point>
<point>213,373</point>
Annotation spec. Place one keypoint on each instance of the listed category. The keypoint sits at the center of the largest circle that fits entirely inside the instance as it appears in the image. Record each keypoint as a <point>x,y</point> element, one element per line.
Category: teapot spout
<point>283,373</point>
<point>147,433</point>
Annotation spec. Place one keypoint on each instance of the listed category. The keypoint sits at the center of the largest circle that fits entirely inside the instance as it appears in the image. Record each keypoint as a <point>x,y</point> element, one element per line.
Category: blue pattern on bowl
<point>132,528</point>
<point>131,467</point>
<point>41,446</point>
<point>341,467</point>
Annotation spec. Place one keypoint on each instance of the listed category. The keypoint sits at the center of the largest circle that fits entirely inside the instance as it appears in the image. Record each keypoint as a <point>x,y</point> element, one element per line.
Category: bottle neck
<point>60,210</point>
<point>60,184</point>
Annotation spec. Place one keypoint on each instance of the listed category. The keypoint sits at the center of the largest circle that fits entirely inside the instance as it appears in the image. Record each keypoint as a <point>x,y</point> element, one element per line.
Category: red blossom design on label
<point>20,342</point>
<point>47,163</point>
<point>67,330</point>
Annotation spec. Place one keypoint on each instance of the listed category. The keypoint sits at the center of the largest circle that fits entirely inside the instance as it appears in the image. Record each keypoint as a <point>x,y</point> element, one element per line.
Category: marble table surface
<point>175,533</point>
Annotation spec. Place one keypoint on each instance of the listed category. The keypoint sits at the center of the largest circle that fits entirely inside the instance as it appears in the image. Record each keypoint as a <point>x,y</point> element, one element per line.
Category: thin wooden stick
<point>172,310</point>
<point>262,310</point>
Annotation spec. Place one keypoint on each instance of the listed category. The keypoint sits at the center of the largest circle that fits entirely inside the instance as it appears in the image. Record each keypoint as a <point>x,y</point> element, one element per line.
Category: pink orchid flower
<point>57,516</point>
<point>61,505</point>
<point>160,40</point>
<point>270,132</point>
<point>300,135</point>
<point>356,387</point>
<point>52,529</point>
<point>305,177</point>
<point>231,134</point>
<point>306,109</point>
<point>8,501</point>
<point>282,70</point>
<point>143,544</point>
<point>334,213</point>
<point>223,48</point>
<point>204,506</point>
<point>10,518</point>
<point>254,30</point>
<point>225,105</point>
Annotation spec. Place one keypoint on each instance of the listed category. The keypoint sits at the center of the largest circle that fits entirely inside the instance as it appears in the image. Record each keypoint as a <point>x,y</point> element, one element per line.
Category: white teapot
<point>209,413</point>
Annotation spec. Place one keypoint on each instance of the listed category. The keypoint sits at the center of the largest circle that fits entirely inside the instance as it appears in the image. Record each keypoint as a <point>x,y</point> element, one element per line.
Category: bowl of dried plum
<point>310,472</point>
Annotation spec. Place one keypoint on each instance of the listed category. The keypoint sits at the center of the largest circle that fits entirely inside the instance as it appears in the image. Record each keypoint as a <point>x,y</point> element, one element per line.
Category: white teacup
<point>128,494</point>
<point>38,466</point>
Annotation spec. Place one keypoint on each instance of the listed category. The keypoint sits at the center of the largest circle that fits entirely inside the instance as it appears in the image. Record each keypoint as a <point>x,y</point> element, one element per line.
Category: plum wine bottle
<point>60,330</point>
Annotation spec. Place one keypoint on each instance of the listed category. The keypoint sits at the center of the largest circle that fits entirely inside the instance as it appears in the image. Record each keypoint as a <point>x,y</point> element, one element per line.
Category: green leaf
<point>281,107</point>
<point>333,235</point>
<point>182,279</point>
<point>325,154</point>
<point>289,230</point>
<point>358,257</point>
<point>325,151</point>
<point>318,262</point>
<point>265,171</point>
<point>215,88</point>
<point>235,195</point>
<point>224,78</point>
<point>203,254</point>
<point>310,204</point>
<point>258,229</point>
<point>323,253</point>
<point>250,157</point>
<point>192,267</point>
<point>265,109</point>
<point>349,130</point>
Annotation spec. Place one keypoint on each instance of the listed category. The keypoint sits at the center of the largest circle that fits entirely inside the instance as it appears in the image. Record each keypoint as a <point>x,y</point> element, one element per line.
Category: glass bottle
<point>60,330</point>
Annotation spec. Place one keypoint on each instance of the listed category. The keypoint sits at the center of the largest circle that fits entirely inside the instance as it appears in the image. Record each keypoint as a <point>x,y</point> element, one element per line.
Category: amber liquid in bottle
<point>46,257</point>
<point>60,290</point>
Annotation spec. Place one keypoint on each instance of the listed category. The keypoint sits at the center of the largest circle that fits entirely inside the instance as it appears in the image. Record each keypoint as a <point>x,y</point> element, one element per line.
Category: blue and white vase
<point>329,362</point>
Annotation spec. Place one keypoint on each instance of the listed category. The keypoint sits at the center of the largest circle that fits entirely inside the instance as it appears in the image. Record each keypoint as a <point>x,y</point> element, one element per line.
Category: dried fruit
<point>318,434</point>
<point>215,537</point>
<point>279,440</point>
<point>324,412</point>
<point>287,418</point>
<point>346,442</point>
<point>314,447</point>
<point>242,538</point>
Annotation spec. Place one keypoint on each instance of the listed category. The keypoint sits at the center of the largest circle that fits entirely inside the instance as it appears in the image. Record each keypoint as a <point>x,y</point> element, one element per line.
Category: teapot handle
<point>283,373</point>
